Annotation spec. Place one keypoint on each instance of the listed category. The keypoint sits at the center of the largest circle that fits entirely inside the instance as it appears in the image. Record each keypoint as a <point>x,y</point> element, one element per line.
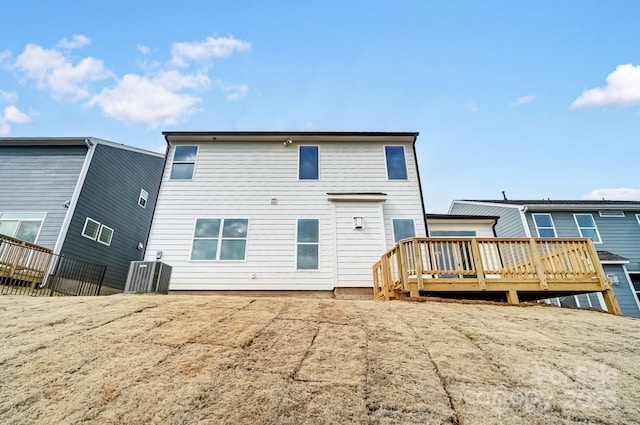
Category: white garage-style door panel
<point>357,249</point>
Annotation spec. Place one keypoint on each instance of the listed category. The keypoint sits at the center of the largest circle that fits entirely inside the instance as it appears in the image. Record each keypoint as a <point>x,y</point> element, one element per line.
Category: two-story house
<point>284,211</point>
<point>84,198</point>
<point>614,227</point>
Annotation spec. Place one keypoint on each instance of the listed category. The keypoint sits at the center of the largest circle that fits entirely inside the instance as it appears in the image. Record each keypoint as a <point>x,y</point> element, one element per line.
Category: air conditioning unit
<point>148,276</point>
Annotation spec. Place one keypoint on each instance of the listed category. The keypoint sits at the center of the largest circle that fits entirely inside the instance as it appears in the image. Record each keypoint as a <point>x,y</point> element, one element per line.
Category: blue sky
<point>537,98</point>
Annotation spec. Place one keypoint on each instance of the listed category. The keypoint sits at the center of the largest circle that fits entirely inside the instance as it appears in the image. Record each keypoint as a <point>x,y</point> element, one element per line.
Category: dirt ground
<point>182,359</point>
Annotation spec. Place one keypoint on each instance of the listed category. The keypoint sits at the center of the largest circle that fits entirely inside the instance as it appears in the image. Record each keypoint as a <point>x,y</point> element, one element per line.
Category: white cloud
<point>53,70</point>
<point>12,115</point>
<point>622,89</point>
<point>219,47</point>
<point>74,43</point>
<point>6,96</point>
<point>613,194</point>
<point>139,99</point>
<point>143,49</point>
<point>236,91</point>
<point>522,100</point>
<point>472,107</point>
<point>173,80</point>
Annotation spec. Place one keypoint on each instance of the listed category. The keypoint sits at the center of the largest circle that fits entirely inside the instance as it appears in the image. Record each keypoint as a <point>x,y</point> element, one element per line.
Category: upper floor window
<point>308,163</point>
<point>142,199</point>
<point>609,214</point>
<point>184,162</point>
<point>544,225</point>
<point>396,164</point>
<point>307,244</point>
<point>220,239</point>
<point>403,228</point>
<point>23,226</point>
<point>587,227</point>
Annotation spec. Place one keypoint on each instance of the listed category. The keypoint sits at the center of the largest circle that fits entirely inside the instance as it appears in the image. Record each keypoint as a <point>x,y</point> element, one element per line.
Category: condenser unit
<point>148,276</point>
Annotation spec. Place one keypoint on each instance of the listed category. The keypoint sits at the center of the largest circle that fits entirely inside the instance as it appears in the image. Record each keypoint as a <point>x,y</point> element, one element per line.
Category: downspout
<point>155,204</point>
<point>493,228</point>
<point>424,212</point>
<point>91,147</point>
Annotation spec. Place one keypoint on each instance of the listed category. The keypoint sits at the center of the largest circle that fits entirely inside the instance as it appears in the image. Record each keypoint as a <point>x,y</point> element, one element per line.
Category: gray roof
<point>610,256</point>
<point>561,205</point>
<point>461,217</point>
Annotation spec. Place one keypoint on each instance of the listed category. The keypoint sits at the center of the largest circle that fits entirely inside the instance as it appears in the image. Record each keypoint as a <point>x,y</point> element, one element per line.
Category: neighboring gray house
<point>614,227</point>
<point>84,198</point>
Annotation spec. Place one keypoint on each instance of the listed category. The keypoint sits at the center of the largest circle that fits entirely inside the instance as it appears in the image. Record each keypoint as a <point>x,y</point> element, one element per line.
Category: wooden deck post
<point>403,267</point>
<point>611,302</point>
<point>477,263</point>
<point>376,283</point>
<point>537,263</point>
<point>512,297</point>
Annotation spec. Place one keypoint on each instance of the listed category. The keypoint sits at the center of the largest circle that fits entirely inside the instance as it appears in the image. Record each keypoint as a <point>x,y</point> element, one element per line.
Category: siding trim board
<point>631,287</point>
<point>74,198</point>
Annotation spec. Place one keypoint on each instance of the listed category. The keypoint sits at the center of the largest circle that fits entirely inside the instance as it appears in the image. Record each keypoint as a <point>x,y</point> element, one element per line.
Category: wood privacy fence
<point>29,269</point>
<point>492,268</point>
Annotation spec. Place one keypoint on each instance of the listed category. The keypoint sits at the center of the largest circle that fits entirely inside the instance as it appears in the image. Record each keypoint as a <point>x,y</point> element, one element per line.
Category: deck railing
<point>535,267</point>
<point>29,269</point>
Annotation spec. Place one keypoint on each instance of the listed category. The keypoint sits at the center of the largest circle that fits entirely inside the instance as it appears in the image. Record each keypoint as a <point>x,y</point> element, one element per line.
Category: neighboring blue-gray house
<point>614,227</point>
<point>84,198</point>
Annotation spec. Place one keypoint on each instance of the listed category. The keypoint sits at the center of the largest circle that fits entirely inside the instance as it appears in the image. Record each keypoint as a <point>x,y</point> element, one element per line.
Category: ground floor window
<point>97,231</point>
<point>220,239</point>
<point>307,244</point>
<point>403,228</point>
<point>635,280</point>
<point>23,226</point>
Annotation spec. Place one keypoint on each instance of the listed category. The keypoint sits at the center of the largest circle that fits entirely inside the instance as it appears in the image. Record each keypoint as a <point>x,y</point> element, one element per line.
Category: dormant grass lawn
<point>182,359</point>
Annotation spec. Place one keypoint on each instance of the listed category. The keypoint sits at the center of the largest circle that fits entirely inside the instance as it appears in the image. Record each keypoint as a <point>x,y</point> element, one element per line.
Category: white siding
<point>238,180</point>
<point>482,230</point>
<point>358,249</point>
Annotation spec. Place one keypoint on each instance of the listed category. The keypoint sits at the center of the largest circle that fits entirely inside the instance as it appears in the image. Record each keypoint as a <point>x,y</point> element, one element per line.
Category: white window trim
<point>319,176</point>
<point>386,164</point>
<point>611,214</point>
<point>143,195</point>
<point>638,218</point>
<point>194,162</point>
<point>102,227</point>
<point>295,263</point>
<point>393,230</point>
<point>85,228</point>
<point>219,238</point>
<point>595,226</point>
<point>41,220</point>
<point>535,224</point>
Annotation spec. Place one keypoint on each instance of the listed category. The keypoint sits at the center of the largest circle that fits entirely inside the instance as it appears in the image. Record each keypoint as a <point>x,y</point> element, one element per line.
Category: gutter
<point>415,158</point>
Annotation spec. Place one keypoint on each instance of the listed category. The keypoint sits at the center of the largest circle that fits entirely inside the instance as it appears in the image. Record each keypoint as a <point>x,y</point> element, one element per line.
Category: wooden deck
<point>22,261</point>
<point>510,269</point>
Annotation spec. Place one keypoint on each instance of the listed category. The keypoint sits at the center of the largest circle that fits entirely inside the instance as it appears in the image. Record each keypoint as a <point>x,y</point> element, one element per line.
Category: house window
<point>609,214</point>
<point>308,163</point>
<point>638,218</point>
<point>453,233</point>
<point>307,244</point>
<point>105,235</point>
<point>396,164</point>
<point>97,231</point>
<point>142,199</point>
<point>91,229</point>
<point>635,281</point>
<point>403,228</point>
<point>544,225</point>
<point>23,226</point>
<point>220,239</point>
<point>587,227</point>
<point>184,161</point>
